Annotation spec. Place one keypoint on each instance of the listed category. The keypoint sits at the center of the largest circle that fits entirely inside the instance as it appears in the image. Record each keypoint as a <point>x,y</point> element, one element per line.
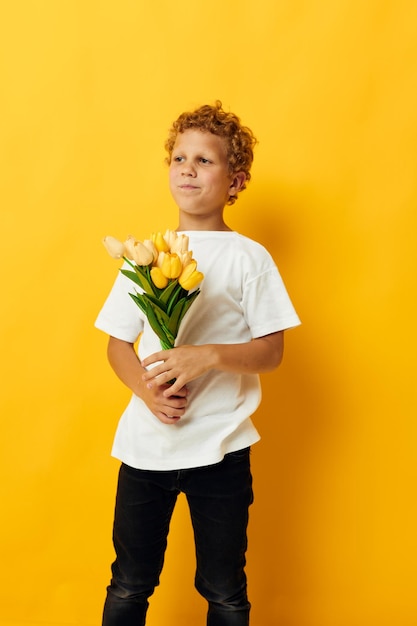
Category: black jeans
<point>218,497</point>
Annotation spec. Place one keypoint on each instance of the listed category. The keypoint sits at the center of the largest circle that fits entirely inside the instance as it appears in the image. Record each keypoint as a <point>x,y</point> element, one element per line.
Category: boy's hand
<point>168,410</point>
<point>181,364</point>
<point>184,363</point>
<point>124,360</point>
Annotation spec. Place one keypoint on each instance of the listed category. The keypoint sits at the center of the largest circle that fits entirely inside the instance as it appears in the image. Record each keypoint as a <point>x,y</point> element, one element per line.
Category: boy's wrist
<point>212,357</point>
<point>139,388</point>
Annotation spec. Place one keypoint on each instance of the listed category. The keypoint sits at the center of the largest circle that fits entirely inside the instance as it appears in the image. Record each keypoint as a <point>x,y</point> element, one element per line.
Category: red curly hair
<point>240,140</point>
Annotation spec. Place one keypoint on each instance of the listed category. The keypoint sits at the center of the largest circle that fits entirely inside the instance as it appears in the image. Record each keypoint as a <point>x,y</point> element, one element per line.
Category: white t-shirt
<point>242,297</point>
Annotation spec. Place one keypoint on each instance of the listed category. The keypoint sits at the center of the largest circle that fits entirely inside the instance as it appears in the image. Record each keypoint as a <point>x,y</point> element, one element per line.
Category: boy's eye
<point>204,161</point>
<point>178,158</point>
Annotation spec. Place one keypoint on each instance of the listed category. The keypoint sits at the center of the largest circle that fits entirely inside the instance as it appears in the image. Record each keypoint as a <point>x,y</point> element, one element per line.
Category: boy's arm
<point>125,363</point>
<point>188,362</point>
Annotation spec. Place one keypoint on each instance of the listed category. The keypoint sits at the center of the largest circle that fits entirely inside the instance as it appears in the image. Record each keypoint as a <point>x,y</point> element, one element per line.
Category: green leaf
<point>176,297</point>
<point>140,301</point>
<point>188,302</point>
<point>167,292</point>
<point>145,277</point>
<point>164,308</point>
<point>175,317</point>
<point>157,328</point>
<point>171,336</point>
<point>162,319</point>
<point>142,277</point>
<point>133,276</point>
<point>160,313</point>
<point>180,310</point>
<point>156,301</point>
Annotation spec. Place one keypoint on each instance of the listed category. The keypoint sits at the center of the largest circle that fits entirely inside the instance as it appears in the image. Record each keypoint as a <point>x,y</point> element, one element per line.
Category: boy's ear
<point>238,180</point>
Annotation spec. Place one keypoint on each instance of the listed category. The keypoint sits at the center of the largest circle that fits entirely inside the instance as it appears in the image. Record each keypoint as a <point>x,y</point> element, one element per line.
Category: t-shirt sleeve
<point>120,317</point>
<point>267,305</point>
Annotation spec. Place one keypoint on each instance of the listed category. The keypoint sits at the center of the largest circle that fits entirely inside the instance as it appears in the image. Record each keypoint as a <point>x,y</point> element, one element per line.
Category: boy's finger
<point>155,357</point>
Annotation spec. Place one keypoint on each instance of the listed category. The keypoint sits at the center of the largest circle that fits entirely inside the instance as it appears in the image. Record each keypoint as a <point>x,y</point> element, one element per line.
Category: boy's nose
<point>188,170</point>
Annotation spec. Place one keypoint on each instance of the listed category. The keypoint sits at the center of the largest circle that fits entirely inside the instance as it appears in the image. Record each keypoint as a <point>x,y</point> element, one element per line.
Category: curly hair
<point>240,140</point>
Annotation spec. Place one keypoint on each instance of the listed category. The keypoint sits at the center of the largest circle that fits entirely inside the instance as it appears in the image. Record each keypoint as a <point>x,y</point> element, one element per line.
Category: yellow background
<point>89,89</point>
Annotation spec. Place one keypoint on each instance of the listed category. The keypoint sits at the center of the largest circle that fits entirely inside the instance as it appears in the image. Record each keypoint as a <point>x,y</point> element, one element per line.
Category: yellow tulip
<point>190,277</point>
<point>189,269</point>
<point>186,257</point>
<point>143,256</point>
<point>160,243</point>
<point>152,248</point>
<point>171,265</point>
<point>192,281</point>
<point>170,236</point>
<point>114,247</point>
<point>137,252</point>
<point>180,245</point>
<point>158,278</point>
<point>160,259</point>
<point>129,245</point>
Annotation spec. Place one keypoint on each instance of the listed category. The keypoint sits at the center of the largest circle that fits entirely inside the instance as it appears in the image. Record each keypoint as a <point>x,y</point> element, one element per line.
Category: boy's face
<point>199,176</point>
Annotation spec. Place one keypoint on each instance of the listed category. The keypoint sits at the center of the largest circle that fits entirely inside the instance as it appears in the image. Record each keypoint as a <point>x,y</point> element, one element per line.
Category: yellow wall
<point>89,89</point>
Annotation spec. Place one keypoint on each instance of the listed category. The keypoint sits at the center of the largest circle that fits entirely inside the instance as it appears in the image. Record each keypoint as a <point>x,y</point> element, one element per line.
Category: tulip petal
<point>160,243</point>
<point>158,278</point>
<point>141,255</point>
<point>180,245</point>
<point>152,248</point>
<point>129,247</point>
<point>191,281</point>
<point>114,247</point>
<point>170,237</point>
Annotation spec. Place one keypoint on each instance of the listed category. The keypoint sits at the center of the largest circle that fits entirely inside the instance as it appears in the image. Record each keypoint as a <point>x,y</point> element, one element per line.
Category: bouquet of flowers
<point>167,274</point>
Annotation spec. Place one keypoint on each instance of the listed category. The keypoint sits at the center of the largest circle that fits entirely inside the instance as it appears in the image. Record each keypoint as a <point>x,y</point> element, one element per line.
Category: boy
<point>195,435</point>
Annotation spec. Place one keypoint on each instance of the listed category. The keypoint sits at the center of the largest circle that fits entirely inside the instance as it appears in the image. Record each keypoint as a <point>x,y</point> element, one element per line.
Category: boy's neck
<point>190,223</point>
